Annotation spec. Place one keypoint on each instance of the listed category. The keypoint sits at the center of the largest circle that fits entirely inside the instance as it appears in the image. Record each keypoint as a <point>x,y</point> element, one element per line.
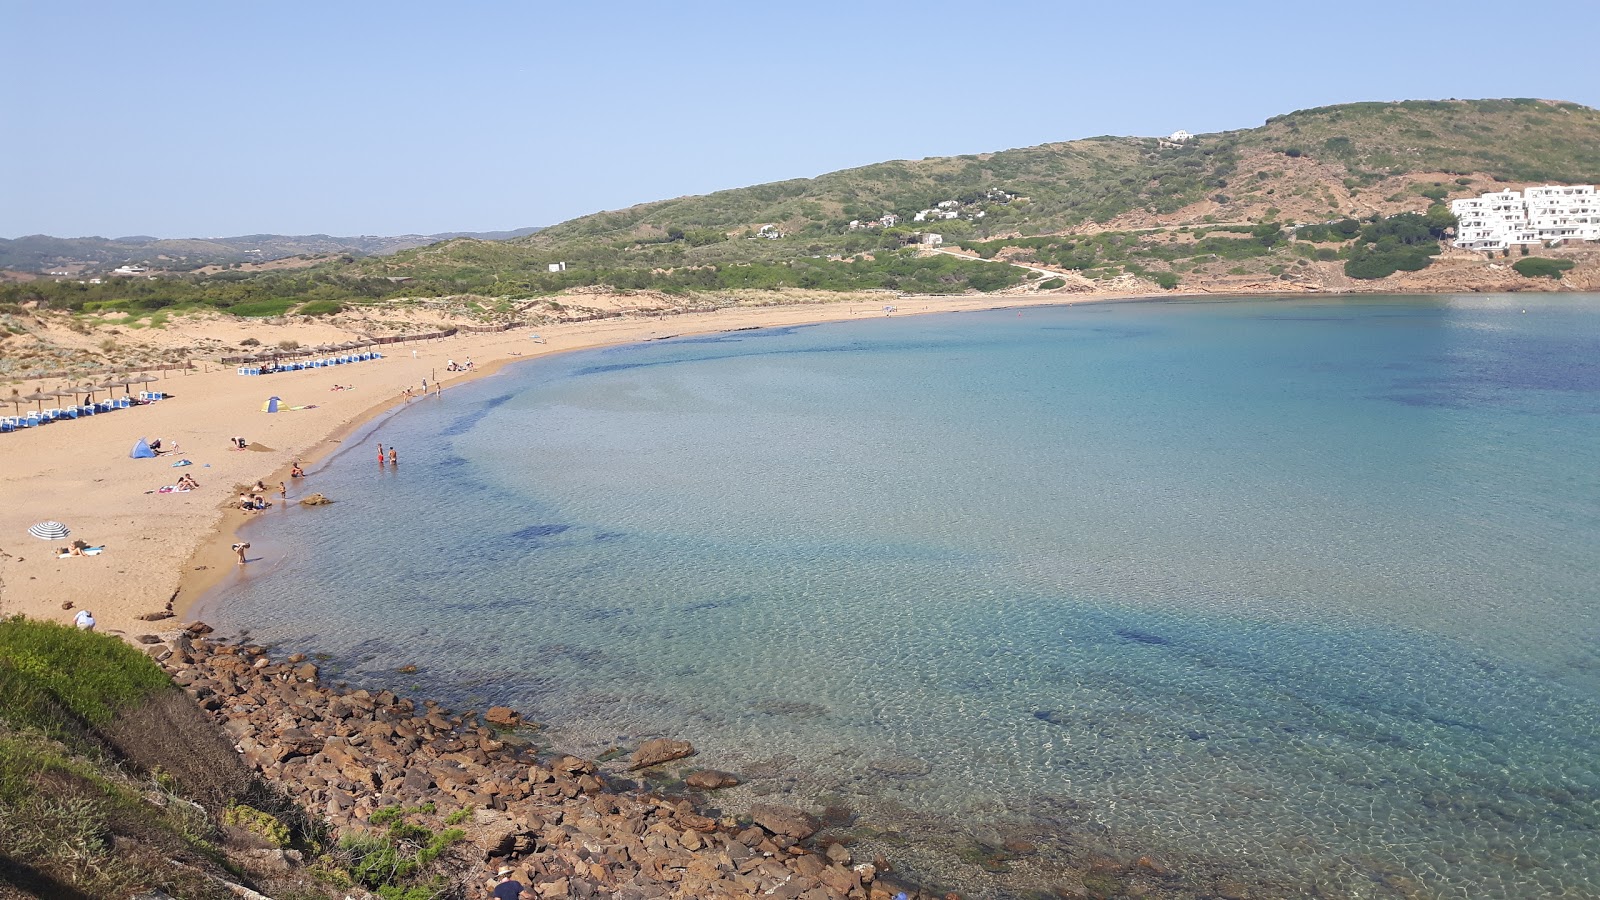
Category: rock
<point>199,628</point>
<point>306,672</point>
<point>710,780</point>
<point>315,500</point>
<point>157,616</point>
<point>785,820</point>
<point>66,604</point>
<point>493,832</point>
<point>503,716</point>
<point>839,853</point>
<point>658,751</point>
<point>147,639</point>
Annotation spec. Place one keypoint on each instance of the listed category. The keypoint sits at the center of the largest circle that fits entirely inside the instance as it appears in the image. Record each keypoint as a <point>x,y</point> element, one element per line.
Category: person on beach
<point>240,443</point>
<point>186,482</point>
<point>261,487</point>
<point>244,499</point>
<point>283,491</point>
<point>394,457</point>
<point>295,471</point>
<point>240,549</point>
<point>380,454</point>
<point>84,620</point>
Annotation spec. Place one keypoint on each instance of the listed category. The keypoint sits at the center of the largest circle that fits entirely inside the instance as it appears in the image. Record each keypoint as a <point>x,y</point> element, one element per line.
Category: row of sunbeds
<point>46,416</point>
<point>309,364</point>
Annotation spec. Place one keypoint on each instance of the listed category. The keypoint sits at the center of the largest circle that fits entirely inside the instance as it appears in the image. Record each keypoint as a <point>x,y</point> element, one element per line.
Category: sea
<point>1302,593</point>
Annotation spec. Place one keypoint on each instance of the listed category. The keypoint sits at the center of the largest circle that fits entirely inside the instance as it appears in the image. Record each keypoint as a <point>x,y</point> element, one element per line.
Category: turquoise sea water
<point>1308,589</point>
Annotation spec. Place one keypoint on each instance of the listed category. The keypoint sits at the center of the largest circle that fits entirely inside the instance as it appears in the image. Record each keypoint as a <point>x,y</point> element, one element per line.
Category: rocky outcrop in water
<point>569,833</point>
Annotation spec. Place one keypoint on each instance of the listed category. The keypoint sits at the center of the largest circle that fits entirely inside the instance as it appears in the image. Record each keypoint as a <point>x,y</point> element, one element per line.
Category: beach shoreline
<point>167,551</point>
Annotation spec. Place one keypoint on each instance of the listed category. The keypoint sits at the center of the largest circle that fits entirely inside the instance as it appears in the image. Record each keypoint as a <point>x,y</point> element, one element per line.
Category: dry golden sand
<point>170,548</point>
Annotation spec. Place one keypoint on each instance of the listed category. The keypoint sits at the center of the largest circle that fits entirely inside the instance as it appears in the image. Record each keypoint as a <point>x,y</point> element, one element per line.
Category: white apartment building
<point>1550,213</point>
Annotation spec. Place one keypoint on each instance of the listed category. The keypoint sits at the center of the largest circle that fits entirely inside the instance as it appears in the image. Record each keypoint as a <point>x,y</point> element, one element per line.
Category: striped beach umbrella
<point>49,531</point>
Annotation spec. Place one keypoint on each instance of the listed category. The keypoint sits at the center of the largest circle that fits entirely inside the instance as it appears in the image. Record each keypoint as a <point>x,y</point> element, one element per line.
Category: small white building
<point>558,267</point>
<point>889,220</point>
<point>1180,137</point>
<point>770,232</point>
<point>129,270</point>
<point>929,239</point>
<point>947,204</point>
<point>1550,213</point>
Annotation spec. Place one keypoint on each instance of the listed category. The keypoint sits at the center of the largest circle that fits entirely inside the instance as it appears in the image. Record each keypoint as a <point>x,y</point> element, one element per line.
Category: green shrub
<point>1541,267</point>
<point>91,675</point>
<point>320,308</point>
<point>1051,284</point>
<point>262,824</point>
<point>262,309</point>
<point>1166,280</point>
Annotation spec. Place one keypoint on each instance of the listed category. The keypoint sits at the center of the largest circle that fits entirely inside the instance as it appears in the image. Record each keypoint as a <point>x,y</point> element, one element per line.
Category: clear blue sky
<point>224,118</point>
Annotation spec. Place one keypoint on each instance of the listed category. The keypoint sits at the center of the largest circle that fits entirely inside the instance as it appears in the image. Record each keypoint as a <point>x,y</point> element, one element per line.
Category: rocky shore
<point>568,829</point>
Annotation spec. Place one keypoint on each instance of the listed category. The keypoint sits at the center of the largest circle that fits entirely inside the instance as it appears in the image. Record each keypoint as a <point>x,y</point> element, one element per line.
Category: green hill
<point>1354,162</point>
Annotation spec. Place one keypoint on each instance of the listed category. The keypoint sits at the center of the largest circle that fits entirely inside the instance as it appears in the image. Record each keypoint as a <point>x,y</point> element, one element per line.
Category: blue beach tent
<point>271,405</point>
<point>141,450</point>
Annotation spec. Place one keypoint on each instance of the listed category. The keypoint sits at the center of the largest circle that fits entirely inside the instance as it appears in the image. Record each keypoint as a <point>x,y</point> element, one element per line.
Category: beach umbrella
<point>39,397</point>
<point>143,379</point>
<point>107,385</point>
<point>49,531</point>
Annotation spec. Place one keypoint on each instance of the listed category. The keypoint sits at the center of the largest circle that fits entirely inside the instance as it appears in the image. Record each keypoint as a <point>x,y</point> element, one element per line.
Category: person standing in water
<point>394,457</point>
<point>380,453</point>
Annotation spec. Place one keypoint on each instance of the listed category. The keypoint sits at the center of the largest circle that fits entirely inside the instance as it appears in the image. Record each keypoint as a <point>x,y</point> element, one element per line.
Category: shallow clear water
<point>1308,587</point>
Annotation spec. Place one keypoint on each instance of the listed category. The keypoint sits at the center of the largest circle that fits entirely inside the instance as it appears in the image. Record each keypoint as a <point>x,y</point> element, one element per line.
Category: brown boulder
<point>658,751</point>
<point>785,820</point>
<point>495,833</point>
<point>710,780</point>
<point>503,716</point>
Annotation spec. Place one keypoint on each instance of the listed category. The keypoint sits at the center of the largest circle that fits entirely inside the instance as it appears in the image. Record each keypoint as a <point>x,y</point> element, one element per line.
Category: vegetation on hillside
<point>113,782</point>
<point>715,242</point>
<point>1541,267</point>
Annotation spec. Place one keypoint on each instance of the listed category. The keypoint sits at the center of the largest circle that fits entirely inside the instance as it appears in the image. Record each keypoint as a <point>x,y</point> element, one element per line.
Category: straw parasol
<point>39,397</point>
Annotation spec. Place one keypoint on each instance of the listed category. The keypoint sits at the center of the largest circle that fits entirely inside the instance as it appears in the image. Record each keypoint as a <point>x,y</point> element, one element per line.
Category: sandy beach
<point>165,550</point>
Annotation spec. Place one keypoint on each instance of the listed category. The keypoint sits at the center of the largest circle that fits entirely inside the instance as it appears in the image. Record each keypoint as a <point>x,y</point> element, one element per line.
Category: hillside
<point>1221,212</point>
<point>39,253</point>
<point>1314,165</point>
<point>1097,179</point>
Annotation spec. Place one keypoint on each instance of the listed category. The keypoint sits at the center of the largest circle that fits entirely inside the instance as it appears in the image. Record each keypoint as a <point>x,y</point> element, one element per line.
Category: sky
<point>212,119</point>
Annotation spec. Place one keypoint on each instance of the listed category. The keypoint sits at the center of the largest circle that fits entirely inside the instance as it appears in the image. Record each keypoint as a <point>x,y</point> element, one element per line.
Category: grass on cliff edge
<point>47,669</point>
<point>72,823</point>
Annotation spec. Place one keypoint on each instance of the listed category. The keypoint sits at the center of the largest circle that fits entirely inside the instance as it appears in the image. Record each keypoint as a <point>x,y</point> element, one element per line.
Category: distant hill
<point>1097,179</point>
<point>1217,212</point>
<point>1313,165</point>
<point>89,255</point>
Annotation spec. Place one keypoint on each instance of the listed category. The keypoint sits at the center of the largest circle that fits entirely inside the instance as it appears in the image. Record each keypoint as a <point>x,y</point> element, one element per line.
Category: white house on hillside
<point>1180,137</point>
<point>1552,213</point>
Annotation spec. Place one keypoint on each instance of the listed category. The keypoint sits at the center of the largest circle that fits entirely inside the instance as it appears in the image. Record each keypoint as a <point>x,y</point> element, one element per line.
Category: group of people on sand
<point>452,366</point>
<point>186,482</point>
<point>254,498</point>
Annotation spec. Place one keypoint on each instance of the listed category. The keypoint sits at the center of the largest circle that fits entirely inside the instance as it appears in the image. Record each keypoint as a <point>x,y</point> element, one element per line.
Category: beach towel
<point>173,489</point>
<point>87,551</point>
<point>182,462</point>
